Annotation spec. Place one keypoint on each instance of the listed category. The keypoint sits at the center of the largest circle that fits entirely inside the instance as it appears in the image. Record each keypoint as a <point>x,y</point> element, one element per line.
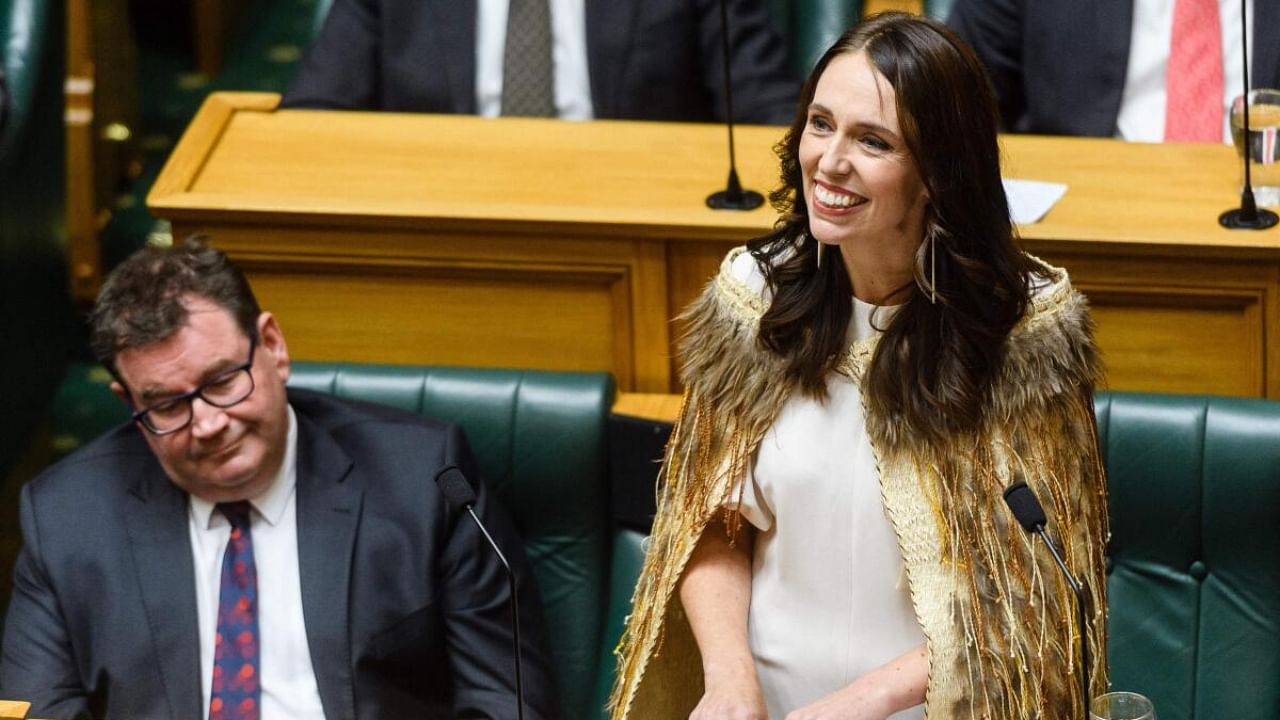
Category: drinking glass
<point>1263,142</point>
<point>1121,706</point>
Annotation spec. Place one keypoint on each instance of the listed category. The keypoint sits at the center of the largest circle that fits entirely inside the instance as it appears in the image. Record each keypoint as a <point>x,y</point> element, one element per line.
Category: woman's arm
<point>716,594</point>
<point>896,685</point>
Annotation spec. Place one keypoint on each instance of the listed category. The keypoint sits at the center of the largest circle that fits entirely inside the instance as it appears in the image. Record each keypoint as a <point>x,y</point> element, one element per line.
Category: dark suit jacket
<point>647,59</point>
<point>406,611</point>
<point>1059,67</point>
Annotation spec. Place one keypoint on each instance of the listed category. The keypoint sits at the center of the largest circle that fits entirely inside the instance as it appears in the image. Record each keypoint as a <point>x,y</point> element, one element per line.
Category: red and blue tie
<point>235,693</point>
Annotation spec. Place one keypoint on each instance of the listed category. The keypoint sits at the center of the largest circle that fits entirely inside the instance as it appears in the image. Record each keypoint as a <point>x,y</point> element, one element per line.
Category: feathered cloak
<point>998,618</point>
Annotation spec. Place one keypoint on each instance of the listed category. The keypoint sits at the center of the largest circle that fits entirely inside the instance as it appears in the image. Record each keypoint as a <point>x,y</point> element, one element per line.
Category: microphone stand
<point>733,197</point>
<point>1247,216</point>
<point>1029,513</point>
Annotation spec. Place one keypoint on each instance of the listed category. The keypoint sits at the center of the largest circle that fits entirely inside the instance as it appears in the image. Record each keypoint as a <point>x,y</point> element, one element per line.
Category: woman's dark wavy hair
<point>935,361</point>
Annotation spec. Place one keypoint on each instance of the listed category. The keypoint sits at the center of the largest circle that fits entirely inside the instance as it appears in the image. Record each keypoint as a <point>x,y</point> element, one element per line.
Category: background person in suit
<point>243,547</point>
<point>620,59</point>
<point>1098,67</point>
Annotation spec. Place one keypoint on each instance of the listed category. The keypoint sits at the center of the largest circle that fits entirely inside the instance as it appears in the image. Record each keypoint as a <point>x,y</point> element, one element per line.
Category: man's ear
<point>271,339</point>
<point>120,392</point>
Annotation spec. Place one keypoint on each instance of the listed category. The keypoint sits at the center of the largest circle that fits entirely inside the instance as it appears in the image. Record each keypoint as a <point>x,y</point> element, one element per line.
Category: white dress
<point>829,599</point>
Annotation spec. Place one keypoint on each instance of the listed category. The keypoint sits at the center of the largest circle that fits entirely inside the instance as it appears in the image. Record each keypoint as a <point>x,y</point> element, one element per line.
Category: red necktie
<point>1193,79</point>
<point>235,693</point>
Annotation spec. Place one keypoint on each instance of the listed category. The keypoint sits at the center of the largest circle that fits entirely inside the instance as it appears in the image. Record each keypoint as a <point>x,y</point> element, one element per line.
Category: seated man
<point>243,551</point>
<point>1139,70</point>
<point>621,59</point>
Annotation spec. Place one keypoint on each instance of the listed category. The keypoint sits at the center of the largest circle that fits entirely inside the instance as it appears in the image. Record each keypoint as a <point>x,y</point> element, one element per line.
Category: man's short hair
<point>142,301</point>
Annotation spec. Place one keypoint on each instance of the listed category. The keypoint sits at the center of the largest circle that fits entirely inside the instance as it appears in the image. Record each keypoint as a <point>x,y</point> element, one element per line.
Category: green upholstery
<point>811,26</point>
<point>938,9</point>
<point>539,438</point>
<point>1195,552</point>
<point>35,312</point>
<point>628,559</point>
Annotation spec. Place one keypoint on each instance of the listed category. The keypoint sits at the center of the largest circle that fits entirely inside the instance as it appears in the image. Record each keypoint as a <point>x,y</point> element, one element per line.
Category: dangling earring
<point>933,269</point>
<point>930,284</point>
<point>820,244</point>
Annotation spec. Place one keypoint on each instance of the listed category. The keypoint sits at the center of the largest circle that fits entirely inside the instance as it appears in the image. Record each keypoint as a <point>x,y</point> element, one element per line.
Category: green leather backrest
<point>1194,560</point>
<point>540,440</point>
<point>811,26</point>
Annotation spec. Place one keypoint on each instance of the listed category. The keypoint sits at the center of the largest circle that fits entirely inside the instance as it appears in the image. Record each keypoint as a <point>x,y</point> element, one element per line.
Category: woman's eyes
<point>875,143</point>
<point>817,122</point>
<point>821,124</point>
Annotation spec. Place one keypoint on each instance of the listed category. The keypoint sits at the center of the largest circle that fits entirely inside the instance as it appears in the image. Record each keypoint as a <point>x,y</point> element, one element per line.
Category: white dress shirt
<point>1142,107</point>
<point>568,55</point>
<point>288,681</point>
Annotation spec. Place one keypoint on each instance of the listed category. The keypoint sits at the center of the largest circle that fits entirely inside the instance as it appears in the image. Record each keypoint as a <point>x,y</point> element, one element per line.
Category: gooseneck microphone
<point>1247,216</point>
<point>458,493</point>
<point>1030,514</point>
<point>733,197</point>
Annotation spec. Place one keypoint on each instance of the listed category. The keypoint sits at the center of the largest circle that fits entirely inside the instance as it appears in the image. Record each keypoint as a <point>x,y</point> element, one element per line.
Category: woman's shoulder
<point>1051,350</point>
<point>740,285</point>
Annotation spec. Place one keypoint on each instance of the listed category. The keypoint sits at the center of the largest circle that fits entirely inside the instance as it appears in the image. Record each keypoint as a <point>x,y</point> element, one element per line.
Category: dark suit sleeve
<point>36,664</point>
<point>764,89</point>
<point>995,30</point>
<point>477,615</point>
<point>341,68</point>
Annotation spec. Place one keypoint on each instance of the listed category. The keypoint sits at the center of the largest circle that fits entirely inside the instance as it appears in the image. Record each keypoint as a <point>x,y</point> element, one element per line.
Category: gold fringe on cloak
<point>997,616</point>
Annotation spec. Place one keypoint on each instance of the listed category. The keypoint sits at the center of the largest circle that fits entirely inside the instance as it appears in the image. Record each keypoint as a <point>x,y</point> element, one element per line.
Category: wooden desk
<point>521,242</point>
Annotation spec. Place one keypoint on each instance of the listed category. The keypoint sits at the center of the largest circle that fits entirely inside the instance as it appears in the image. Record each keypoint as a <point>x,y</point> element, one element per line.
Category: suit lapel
<point>328,506</point>
<point>609,42</point>
<point>161,547</point>
<point>1265,71</point>
<point>455,30</point>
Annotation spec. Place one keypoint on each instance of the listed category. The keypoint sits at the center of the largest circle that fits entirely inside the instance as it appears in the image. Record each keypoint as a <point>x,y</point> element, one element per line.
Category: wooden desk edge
<point>187,159</point>
<point>659,407</point>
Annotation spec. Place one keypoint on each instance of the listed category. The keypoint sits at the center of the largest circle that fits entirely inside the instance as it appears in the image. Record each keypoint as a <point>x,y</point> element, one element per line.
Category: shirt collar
<point>271,503</point>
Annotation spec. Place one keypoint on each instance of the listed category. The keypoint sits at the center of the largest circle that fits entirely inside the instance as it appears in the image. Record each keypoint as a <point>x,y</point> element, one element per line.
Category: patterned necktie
<point>1193,79</point>
<point>527,80</point>
<point>235,693</point>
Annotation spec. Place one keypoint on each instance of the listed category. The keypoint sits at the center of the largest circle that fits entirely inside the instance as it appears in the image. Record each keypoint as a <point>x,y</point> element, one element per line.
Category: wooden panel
<point>1165,340</point>
<point>466,298</point>
<point>492,317</point>
<point>1176,324</point>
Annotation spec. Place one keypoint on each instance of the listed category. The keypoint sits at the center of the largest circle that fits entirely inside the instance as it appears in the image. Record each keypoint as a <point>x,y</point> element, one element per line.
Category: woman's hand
<point>852,702</point>
<point>733,695</point>
<point>895,686</point>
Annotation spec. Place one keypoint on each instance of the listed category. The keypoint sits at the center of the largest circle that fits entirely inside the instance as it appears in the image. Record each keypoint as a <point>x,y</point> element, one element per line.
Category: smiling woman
<point>830,540</point>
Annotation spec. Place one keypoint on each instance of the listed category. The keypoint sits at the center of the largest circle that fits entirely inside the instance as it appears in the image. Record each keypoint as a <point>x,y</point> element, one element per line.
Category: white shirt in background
<point>1142,107</point>
<point>568,54</point>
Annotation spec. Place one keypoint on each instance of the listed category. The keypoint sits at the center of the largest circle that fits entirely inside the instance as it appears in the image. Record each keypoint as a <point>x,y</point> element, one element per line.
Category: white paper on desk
<point>1029,200</point>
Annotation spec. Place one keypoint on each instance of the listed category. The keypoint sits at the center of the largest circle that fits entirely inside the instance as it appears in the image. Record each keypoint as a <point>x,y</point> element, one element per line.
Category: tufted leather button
<point>1198,570</point>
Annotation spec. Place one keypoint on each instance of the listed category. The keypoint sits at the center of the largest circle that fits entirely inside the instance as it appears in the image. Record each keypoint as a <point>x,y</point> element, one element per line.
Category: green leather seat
<point>1194,571</point>
<point>35,311</point>
<point>540,440</point>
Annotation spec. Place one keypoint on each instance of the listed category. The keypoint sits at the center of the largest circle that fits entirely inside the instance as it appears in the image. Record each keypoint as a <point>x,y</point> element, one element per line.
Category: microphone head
<point>1025,506</point>
<point>455,488</point>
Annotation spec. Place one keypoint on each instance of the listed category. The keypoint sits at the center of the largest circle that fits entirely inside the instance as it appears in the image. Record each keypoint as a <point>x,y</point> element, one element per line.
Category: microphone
<point>458,493</point>
<point>1247,216</point>
<point>1030,514</point>
<point>733,197</point>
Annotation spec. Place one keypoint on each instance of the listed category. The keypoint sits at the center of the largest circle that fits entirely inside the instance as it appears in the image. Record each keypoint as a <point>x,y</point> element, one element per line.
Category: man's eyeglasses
<point>226,390</point>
